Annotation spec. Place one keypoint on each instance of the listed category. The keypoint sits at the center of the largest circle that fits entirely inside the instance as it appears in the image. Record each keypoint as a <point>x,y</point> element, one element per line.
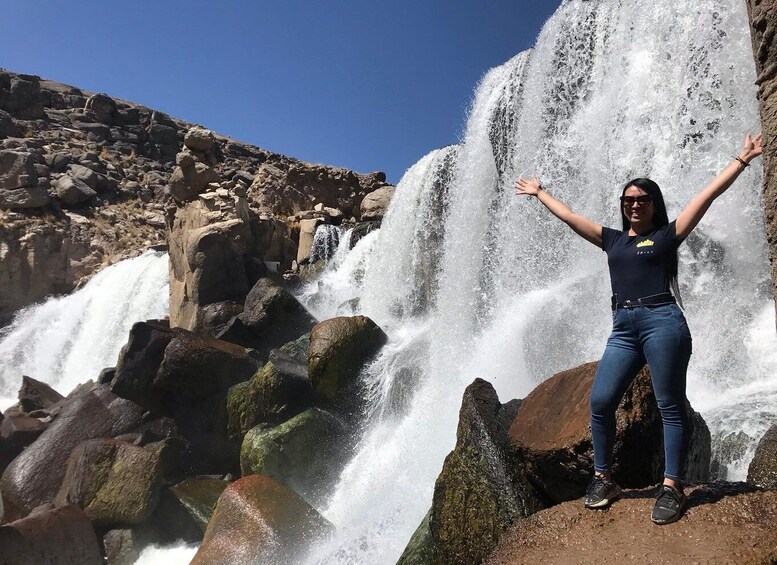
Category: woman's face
<point>637,208</point>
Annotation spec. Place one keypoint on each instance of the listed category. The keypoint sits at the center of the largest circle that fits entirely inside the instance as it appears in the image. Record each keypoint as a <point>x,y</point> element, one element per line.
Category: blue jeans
<point>659,336</point>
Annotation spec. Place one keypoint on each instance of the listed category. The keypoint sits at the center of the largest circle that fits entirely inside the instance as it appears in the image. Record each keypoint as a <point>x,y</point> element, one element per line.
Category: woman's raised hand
<point>752,148</point>
<point>525,187</point>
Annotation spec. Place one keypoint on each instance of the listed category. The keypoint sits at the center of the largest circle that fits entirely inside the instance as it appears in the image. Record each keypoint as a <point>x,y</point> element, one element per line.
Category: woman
<point>648,326</point>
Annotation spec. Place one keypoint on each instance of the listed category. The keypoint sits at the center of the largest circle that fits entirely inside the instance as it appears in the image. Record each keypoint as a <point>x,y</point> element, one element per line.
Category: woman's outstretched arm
<point>696,209</point>
<point>581,225</point>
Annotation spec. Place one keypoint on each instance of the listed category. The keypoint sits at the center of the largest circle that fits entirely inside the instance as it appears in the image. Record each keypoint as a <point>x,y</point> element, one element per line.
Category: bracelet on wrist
<point>742,161</point>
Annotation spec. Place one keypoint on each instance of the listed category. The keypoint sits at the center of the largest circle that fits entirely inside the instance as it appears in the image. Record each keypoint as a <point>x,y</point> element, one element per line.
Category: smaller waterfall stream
<point>67,340</point>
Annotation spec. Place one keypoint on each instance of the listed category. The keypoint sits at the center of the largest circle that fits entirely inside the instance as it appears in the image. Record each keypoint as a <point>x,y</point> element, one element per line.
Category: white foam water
<point>67,340</point>
<point>470,280</point>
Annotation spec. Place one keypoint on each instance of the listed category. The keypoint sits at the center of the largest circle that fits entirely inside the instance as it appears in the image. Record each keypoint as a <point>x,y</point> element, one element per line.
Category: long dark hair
<point>660,217</point>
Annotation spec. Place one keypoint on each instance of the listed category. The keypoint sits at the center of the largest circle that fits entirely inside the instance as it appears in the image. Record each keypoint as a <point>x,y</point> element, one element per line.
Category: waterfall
<point>67,340</point>
<point>326,240</point>
<point>471,281</point>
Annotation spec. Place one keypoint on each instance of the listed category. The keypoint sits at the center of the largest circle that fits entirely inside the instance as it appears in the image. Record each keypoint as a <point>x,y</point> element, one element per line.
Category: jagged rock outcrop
<point>552,431</point>
<point>763,27</point>
<point>724,523</point>
<point>482,488</point>
<point>113,164</point>
<point>258,520</point>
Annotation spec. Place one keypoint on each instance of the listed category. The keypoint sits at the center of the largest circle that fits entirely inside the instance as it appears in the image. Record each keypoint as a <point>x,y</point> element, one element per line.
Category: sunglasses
<point>641,200</point>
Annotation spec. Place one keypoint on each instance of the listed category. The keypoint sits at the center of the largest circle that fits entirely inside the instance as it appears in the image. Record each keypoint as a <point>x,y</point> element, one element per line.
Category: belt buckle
<point>628,304</point>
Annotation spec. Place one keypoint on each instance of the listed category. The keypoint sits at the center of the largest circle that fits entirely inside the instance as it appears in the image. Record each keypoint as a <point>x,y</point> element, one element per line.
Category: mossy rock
<point>421,549</point>
<point>277,392</point>
<point>306,453</point>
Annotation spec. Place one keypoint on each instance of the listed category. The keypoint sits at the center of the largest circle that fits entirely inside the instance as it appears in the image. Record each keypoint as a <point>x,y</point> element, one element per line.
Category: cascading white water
<point>67,340</point>
<point>326,240</point>
<point>481,283</point>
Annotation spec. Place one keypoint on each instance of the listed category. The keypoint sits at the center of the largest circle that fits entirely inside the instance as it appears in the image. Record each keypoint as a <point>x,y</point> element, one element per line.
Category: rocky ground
<point>724,523</point>
<point>86,180</point>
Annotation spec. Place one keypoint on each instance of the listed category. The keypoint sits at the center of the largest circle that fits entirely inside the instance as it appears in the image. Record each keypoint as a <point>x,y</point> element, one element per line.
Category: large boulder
<point>34,477</point>
<point>305,453</point>
<point>215,241</point>
<point>199,497</point>
<point>259,521</point>
<point>24,197</point>
<point>552,432</point>
<point>277,392</point>
<point>482,488</point>
<point>421,549</point>
<point>114,482</point>
<point>376,203</point>
<point>72,191</point>
<point>199,139</point>
<point>186,376</point>
<point>191,177</point>
<point>271,317</point>
<point>763,467</point>
<point>61,536</point>
<point>339,348</point>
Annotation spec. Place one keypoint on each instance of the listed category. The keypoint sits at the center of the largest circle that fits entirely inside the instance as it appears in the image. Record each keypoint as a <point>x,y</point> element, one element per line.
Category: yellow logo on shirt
<point>646,243</point>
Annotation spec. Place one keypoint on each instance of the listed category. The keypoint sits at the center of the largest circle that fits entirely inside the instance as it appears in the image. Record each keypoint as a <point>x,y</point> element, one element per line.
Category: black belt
<point>652,300</point>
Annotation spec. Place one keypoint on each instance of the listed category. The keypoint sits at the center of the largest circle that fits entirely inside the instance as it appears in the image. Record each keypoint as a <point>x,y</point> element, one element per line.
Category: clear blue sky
<point>364,85</point>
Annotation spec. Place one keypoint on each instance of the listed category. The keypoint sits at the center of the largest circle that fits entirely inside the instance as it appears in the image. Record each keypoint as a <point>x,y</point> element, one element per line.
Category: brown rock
<point>763,26</point>
<point>72,191</point>
<point>552,430</point>
<point>20,431</point>
<point>34,477</point>
<point>17,170</point>
<point>102,106</point>
<point>763,467</point>
<point>62,536</point>
<point>339,348</point>
<point>199,139</point>
<point>259,521</point>
<point>114,482</point>
<point>724,523</point>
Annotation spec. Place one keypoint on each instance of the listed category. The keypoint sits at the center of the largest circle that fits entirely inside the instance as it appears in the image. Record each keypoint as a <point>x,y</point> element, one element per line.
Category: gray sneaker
<point>669,506</point>
<point>601,493</point>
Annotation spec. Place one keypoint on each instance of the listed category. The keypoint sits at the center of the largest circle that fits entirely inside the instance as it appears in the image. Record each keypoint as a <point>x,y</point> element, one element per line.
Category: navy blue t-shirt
<point>639,264</point>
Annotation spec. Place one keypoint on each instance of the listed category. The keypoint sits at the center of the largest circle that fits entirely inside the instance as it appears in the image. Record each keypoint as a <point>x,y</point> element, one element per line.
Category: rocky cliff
<point>763,26</point>
<point>86,180</point>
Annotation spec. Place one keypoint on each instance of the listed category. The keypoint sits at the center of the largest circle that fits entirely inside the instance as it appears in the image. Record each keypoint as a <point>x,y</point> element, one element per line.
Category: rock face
<point>376,203</point>
<point>482,488</point>
<point>724,523</point>
<point>61,536</point>
<point>60,145</point>
<point>34,477</point>
<point>114,482</point>
<point>763,26</point>
<point>259,521</point>
<point>552,431</point>
<point>763,467</point>
<point>199,497</point>
<point>339,348</point>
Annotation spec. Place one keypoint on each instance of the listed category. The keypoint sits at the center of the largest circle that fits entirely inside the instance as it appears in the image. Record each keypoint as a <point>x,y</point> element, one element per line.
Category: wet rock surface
<point>724,523</point>
<point>763,467</point>
<point>258,520</point>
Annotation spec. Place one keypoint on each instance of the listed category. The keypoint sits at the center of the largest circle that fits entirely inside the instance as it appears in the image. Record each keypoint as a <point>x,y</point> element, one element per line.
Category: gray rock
<point>17,170</point>
<point>199,139</point>
<point>84,174</point>
<point>27,197</point>
<point>7,127</point>
<point>103,107</point>
<point>72,191</point>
